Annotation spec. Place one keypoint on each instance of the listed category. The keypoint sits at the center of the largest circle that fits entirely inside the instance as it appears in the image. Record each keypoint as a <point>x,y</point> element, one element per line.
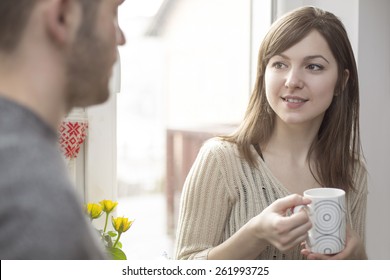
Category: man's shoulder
<point>30,168</point>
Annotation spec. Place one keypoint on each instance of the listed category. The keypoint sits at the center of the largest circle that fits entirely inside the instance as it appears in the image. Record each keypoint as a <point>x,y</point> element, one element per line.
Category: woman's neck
<point>292,142</point>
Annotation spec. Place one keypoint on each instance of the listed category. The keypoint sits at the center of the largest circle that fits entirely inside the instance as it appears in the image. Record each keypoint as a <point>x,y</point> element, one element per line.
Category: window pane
<point>185,77</point>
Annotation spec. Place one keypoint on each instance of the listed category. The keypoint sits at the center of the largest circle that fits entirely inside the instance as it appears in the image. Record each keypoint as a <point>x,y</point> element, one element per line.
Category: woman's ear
<point>63,18</point>
<point>345,78</point>
<point>345,81</point>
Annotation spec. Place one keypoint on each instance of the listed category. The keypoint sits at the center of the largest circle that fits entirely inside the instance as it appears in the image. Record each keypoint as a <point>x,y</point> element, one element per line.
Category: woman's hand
<point>354,250</point>
<point>271,226</point>
<point>283,232</point>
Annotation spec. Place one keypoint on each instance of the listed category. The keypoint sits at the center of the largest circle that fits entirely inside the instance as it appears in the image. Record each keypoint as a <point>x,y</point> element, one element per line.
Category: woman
<point>300,131</point>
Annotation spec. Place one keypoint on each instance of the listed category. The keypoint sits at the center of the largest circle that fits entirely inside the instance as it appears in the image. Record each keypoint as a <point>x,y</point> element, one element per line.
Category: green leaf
<point>117,254</point>
<point>112,233</point>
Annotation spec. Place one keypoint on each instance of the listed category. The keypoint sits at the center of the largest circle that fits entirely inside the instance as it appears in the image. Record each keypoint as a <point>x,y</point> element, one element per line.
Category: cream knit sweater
<point>222,193</point>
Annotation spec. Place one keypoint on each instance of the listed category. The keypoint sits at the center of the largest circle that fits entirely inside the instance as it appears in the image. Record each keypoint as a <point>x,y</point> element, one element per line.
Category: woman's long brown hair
<point>337,147</point>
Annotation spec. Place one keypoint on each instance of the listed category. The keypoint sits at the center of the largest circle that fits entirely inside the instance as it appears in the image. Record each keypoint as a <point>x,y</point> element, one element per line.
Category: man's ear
<point>63,18</point>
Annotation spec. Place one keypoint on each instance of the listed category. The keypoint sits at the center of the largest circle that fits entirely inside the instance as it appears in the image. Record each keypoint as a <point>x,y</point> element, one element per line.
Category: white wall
<point>367,24</point>
<point>374,70</point>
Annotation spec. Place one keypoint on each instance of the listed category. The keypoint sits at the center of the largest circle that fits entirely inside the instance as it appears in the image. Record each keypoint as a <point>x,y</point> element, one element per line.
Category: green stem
<point>116,241</point>
<point>105,225</point>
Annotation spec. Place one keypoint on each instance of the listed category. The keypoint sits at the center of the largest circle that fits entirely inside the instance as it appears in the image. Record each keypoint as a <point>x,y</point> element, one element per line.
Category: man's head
<point>83,34</point>
<point>91,59</point>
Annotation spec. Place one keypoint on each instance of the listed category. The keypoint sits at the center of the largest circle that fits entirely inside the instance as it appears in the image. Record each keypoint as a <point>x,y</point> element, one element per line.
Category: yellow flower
<point>108,205</point>
<point>121,224</point>
<point>94,210</point>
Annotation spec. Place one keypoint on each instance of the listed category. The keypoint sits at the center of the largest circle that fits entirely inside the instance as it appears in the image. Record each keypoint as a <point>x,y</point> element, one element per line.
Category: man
<point>54,55</point>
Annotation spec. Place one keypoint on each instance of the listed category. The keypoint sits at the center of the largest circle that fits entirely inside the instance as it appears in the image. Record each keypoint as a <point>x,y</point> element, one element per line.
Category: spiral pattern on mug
<point>328,216</point>
<point>329,244</point>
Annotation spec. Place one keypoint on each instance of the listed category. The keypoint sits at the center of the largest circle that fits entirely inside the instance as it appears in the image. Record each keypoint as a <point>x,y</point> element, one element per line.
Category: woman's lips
<point>294,101</point>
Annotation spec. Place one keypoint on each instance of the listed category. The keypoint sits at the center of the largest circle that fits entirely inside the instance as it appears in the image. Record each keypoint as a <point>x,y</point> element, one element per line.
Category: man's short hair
<point>14,15</point>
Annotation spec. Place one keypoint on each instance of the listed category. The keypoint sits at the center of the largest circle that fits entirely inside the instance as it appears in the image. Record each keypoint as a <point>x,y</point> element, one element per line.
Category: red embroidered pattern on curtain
<point>72,136</point>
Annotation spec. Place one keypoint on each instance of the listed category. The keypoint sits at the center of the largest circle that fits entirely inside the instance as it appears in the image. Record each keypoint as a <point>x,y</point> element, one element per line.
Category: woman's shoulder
<point>219,150</point>
<point>219,145</point>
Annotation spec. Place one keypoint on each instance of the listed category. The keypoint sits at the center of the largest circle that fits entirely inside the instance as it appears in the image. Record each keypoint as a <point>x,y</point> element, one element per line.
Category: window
<point>186,67</point>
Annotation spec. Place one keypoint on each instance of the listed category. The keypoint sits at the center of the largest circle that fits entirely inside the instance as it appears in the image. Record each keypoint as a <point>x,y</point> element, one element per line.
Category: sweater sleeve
<point>205,205</point>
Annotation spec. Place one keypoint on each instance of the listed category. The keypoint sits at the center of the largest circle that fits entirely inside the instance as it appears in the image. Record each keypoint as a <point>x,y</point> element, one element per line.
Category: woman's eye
<point>278,65</point>
<point>315,67</point>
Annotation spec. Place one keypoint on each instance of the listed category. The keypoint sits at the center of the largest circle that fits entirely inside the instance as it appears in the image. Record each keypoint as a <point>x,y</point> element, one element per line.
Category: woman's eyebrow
<point>310,57</point>
<point>306,58</point>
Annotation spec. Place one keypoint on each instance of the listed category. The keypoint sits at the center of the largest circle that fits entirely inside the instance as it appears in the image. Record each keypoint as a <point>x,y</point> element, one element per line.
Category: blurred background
<point>184,78</point>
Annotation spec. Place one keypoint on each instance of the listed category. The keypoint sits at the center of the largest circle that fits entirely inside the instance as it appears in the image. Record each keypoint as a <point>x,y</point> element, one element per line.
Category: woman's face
<point>300,81</point>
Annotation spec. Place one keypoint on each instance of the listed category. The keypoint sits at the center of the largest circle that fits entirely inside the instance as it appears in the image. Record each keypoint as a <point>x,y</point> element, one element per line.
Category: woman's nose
<point>293,80</point>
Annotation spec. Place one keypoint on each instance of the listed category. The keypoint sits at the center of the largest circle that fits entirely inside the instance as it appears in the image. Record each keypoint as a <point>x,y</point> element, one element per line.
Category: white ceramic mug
<point>327,212</point>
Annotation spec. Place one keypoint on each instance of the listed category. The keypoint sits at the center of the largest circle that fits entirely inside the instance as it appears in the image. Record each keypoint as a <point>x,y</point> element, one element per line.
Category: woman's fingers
<point>283,204</point>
